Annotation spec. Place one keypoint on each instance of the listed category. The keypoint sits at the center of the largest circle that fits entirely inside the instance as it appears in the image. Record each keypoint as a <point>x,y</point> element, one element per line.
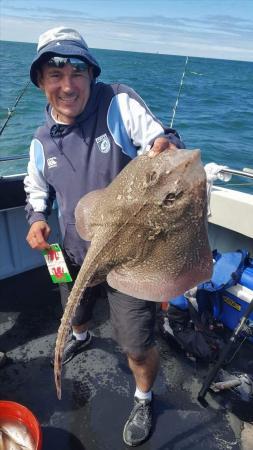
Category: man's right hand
<point>38,235</point>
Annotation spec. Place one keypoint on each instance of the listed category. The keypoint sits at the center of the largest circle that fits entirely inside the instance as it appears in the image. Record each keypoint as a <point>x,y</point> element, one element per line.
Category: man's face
<point>67,89</point>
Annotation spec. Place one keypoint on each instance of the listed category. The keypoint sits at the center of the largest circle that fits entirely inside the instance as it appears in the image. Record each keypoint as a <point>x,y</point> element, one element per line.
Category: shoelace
<point>140,413</point>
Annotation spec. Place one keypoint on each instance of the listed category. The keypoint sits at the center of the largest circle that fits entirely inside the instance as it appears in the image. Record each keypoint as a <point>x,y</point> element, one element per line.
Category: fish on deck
<point>14,435</point>
<point>148,233</point>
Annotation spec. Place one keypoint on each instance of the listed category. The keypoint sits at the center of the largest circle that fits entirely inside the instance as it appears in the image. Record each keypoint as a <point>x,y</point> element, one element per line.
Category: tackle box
<point>236,299</point>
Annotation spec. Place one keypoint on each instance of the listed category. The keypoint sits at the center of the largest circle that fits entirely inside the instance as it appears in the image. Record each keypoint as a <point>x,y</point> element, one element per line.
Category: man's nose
<point>67,83</point>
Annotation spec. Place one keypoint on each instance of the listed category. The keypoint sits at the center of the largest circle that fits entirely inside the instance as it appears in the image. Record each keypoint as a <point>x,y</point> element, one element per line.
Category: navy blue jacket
<point>68,161</point>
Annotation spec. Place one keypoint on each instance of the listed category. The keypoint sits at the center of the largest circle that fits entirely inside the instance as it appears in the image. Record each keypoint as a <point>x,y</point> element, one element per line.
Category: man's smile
<point>69,98</point>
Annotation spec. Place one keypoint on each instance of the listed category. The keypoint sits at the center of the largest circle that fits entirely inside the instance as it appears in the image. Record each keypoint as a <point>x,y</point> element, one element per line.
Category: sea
<point>212,100</point>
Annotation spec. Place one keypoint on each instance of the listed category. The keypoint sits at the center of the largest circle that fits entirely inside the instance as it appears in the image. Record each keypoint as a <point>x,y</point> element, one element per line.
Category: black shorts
<point>132,319</point>
<point>133,322</point>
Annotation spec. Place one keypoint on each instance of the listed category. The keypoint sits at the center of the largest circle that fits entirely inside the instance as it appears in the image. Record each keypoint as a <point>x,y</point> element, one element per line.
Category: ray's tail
<point>79,287</point>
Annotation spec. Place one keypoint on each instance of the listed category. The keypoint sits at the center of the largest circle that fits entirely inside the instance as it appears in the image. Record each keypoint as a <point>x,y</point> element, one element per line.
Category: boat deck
<point>97,384</point>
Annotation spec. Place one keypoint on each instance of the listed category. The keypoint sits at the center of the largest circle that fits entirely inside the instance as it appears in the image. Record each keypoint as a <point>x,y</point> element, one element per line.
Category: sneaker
<point>138,426</point>
<point>73,347</point>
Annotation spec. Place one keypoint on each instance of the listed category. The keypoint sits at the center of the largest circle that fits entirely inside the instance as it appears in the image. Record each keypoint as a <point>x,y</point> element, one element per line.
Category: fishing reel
<point>247,329</point>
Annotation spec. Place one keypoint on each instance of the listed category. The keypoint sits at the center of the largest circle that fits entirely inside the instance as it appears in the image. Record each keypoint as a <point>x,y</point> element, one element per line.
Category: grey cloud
<point>40,12</point>
<point>220,23</point>
<point>211,21</point>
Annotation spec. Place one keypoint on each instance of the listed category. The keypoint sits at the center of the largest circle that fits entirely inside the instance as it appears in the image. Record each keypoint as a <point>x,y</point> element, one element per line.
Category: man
<point>92,131</point>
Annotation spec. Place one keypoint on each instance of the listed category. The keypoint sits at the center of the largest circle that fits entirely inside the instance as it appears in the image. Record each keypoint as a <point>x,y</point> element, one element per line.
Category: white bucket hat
<point>62,41</point>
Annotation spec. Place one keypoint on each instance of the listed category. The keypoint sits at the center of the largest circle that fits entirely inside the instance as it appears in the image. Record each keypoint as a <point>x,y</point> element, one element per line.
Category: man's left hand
<point>161,144</point>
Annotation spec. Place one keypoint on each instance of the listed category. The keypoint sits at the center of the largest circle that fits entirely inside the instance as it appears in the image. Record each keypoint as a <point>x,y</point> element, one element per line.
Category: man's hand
<point>161,144</point>
<point>38,235</point>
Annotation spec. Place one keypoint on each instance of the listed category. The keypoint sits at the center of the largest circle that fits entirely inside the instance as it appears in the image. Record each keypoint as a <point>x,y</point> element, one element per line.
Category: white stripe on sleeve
<point>35,184</point>
<point>139,123</point>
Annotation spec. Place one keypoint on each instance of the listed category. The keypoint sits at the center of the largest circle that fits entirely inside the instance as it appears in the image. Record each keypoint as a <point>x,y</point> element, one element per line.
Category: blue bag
<point>198,332</point>
<point>228,269</point>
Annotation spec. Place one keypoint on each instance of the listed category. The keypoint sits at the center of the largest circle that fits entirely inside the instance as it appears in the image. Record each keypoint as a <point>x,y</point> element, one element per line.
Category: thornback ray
<point>148,233</point>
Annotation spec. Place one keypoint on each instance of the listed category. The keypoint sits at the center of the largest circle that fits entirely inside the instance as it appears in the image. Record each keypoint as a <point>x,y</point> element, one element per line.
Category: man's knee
<point>141,357</point>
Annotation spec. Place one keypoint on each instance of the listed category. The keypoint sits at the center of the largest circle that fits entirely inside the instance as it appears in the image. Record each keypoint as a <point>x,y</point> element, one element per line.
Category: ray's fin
<point>83,213</point>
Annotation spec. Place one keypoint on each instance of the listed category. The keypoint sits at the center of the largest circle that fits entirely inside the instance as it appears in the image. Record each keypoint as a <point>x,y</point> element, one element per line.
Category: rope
<point>12,110</point>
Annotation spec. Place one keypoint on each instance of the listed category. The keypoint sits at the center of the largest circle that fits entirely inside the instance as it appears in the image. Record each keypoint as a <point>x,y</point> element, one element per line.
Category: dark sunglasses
<point>60,61</point>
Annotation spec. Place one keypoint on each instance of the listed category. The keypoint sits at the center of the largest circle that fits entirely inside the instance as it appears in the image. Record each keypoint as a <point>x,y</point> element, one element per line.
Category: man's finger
<point>172,146</point>
<point>157,149</point>
<point>37,241</point>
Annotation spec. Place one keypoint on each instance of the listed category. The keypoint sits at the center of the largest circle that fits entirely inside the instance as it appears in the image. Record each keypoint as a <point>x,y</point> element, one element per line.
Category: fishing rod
<point>179,92</point>
<point>180,89</point>
<point>12,110</point>
<point>243,326</point>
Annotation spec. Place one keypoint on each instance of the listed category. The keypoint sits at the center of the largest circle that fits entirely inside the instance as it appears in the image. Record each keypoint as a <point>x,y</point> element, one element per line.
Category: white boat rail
<point>246,172</point>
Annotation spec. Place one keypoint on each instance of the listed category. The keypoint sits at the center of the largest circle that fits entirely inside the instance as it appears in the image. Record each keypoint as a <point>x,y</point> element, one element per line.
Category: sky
<point>206,28</point>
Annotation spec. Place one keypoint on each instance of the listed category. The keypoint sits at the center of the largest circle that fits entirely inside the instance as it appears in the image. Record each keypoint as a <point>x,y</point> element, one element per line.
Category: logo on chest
<point>52,162</point>
<point>103,143</point>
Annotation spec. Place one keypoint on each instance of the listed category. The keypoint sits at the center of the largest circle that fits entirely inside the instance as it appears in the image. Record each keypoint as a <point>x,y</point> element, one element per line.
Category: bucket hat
<point>62,41</point>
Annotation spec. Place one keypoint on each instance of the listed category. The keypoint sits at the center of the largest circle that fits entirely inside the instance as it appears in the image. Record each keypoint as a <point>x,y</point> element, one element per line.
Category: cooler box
<point>235,300</point>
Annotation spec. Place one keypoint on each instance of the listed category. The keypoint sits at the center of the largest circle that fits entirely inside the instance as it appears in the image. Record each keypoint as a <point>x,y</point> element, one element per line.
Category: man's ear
<point>91,74</point>
<point>40,80</point>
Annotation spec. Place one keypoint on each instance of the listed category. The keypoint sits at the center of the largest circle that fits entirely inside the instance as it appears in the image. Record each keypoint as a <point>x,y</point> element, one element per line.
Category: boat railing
<point>16,176</point>
<point>245,172</point>
<point>13,158</point>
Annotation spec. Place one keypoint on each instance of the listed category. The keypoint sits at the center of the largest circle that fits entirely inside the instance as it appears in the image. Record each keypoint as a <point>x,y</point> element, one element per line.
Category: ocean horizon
<point>146,52</point>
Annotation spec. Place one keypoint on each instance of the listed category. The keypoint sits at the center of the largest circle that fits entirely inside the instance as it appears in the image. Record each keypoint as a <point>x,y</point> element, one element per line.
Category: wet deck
<point>97,385</point>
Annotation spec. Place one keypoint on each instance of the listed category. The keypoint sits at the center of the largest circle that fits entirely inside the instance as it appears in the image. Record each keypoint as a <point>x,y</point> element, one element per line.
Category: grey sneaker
<point>138,426</point>
<point>73,347</point>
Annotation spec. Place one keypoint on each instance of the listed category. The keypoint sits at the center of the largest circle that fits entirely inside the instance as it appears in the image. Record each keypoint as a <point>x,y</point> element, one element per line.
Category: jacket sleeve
<point>138,124</point>
<point>39,194</point>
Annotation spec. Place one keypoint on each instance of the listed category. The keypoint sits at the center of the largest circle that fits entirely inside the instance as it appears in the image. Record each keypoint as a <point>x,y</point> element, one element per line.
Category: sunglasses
<point>60,61</point>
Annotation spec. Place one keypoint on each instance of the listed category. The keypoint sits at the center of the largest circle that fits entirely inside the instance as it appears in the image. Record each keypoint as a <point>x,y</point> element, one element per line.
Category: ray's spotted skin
<point>148,233</point>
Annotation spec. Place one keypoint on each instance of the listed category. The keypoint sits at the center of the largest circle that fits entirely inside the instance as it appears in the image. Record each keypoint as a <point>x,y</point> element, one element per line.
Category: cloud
<point>216,36</point>
<point>41,13</point>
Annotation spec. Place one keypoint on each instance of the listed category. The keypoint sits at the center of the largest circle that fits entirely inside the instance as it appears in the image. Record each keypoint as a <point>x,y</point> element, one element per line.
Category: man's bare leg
<point>144,367</point>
